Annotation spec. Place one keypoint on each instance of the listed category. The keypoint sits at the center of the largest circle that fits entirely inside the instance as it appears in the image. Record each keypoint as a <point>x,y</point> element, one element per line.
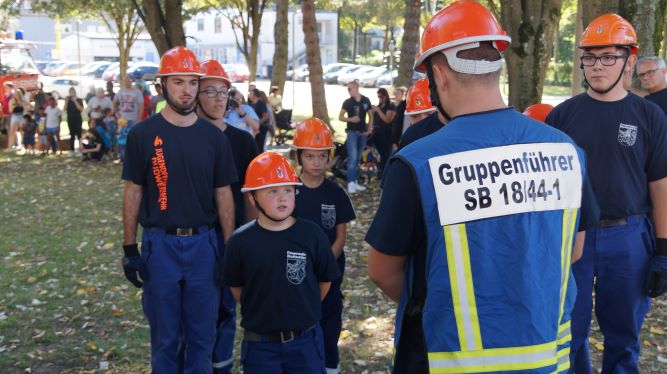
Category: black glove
<point>133,264</point>
<point>656,281</point>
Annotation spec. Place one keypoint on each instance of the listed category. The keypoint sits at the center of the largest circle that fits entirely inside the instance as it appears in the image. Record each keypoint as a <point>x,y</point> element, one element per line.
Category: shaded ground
<point>65,306</point>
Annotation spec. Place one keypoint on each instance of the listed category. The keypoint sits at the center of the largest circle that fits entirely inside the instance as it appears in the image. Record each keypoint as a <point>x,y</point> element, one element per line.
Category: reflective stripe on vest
<point>473,358</point>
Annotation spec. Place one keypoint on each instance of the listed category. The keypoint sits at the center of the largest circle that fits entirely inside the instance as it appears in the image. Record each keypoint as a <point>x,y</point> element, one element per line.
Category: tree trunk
<point>532,26</point>
<point>664,39</point>
<point>164,26</point>
<point>257,11</point>
<point>356,41</point>
<point>312,42</point>
<point>592,8</point>
<point>410,43</point>
<point>577,77</point>
<point>280,54</point>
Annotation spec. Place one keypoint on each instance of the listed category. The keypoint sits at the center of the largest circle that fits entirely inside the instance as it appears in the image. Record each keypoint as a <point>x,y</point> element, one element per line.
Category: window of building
<point>200,24</point>
<point>218,25</point>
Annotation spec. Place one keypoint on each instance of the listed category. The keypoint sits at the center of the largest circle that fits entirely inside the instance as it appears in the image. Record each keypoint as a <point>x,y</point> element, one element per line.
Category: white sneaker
<point>359,187</point>
<point>351,187</point>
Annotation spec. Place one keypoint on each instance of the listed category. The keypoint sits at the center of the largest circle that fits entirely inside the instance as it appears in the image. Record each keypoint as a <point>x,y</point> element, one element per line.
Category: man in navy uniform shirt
<point>212,97</point>
<point>178,171</point>
<point>625,255</point>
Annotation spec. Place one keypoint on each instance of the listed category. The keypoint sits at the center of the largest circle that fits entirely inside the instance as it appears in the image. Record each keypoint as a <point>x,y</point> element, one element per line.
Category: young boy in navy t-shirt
<point>279,268</point>
<point>327,204</point>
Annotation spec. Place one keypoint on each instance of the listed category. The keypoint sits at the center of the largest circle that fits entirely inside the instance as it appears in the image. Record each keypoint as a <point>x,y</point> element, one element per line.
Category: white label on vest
<point>505,180</point>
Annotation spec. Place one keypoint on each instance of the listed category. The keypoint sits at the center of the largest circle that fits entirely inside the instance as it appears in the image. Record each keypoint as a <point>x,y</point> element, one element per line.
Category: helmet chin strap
<point>602,92</point>
<point>433,90</point>
<point>261,210</point>
<point>172,104</point>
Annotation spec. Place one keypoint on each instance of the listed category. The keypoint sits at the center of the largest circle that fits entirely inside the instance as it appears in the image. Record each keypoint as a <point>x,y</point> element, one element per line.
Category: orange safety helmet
<point>419,99</point>
<point>538,112</point>
<point>179,61</point>
<point>462,24</point>
<point>269,169</point>
<point>213,70</point>
<point>610,30</point>
<point>313,134</point>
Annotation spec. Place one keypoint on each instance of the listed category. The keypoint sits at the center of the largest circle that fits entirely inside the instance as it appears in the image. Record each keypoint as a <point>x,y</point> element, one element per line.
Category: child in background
<point>278,268</point>
<point>96,142</point>
<point>123,130</point>
<point>326,203</point>
<point>53,119</point>
<point>112,130</point>
<point>29,127</point>
<point>40,119</point>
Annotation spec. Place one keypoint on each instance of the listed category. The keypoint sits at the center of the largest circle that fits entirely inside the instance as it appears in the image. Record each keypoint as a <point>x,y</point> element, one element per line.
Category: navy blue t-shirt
<point>244,150</point>
<point>425,127</point>
<point>179,169</point>
<point>328,206</point>
<point>626,147</point>
<point>280,272</point>
<point>357,108</point>
<point>659,98</point>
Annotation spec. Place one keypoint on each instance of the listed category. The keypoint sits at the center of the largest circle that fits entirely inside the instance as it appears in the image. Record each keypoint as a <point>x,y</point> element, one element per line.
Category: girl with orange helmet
<point>325,203</point>
<point>279,268</point>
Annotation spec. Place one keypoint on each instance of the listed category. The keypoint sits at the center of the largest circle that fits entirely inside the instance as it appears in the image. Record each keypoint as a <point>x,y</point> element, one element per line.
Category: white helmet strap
<point>470,66</point>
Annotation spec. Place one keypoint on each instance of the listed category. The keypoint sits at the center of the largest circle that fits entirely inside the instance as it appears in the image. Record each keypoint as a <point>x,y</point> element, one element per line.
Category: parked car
<point>355,74</point>
<point>53,65</point>
<point>334,67</point>
<point>332,77</point>
<point>370,79</point>
<point>137,71</point>
<point>296,71</point>
<point>303,75</point>
<point>95,71</point>
<point>71,68</point>
<point>59,87</point>
<point>237,72</point>
<point>41,65</point>
<point>112,72</point>
<point>386,80</point>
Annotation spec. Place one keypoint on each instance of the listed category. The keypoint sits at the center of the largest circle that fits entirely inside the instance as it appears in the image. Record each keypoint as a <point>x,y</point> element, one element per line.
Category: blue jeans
<point>615,261</point>
<point>355,143</point>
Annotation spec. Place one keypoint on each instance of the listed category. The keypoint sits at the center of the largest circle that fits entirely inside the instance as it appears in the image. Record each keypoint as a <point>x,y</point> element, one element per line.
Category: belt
<point>185,231</point>
<point>612,222</point>
<point>284,336</point>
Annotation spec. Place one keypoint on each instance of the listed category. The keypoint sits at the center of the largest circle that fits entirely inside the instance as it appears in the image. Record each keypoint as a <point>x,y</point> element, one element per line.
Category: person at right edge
<point>625,255</point>
<point>476,226</point>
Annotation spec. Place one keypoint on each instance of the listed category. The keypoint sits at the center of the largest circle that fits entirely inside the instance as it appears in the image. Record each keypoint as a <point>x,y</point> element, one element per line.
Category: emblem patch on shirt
<point>328,216</point>
<point>296,267</point>
<point>627,134</point>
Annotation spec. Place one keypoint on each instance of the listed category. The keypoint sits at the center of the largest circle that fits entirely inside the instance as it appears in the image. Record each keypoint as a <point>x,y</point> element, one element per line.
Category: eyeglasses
<point>214,93</point>
<point>647,74</point>
<point>605,60</point>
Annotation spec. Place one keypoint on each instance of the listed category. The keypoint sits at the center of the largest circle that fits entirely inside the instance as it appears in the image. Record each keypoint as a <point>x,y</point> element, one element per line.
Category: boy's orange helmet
<point>313,134</point>
<point>461,22</point>
<point>269,169</point>
<point>610,30</point>
<point>213,70</point>
<point>419,99</point>
<point>179,61</point>
<point>538,112</point>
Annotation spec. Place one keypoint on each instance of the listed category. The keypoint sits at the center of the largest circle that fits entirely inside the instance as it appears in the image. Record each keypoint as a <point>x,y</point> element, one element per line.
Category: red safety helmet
<point>269,169</point>
<point>213,70</point>
<point>462,24</point>
<point>538,112</point>
<point>313,134</point>
<point>419,98</point>
<point>610,30</point>
<point>179,61</point>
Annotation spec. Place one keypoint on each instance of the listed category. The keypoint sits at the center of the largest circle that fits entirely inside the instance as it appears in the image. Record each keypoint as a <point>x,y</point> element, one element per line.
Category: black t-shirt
<point>73,113</point>
<point>423,128</point>
<point>381,127</point>
<point>260,109</point>
<point>397,125</point>
<point>244,150</point>
<point>626,148</point>
<point>659,98</point>
<point>357,108</point>
<point>280,272</point>
<point>328,206</point>
<point>179,168</point>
